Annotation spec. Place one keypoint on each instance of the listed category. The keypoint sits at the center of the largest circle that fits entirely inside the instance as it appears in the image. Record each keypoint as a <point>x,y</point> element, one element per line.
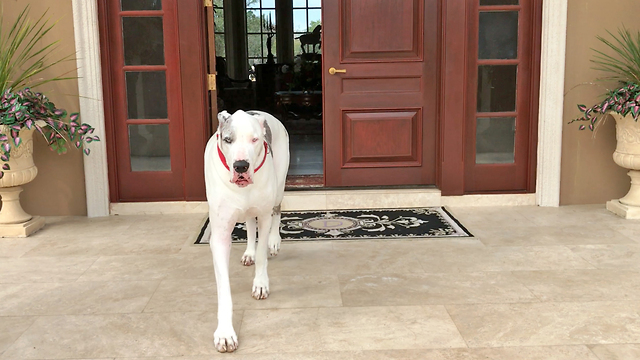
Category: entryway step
<point>360,199</point>
<point>340,200</point>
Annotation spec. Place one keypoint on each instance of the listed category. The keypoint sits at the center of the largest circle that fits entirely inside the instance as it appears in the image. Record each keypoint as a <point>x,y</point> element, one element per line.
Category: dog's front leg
<point>261,279</point>
<point>248,258</point>
<point>224,338</point>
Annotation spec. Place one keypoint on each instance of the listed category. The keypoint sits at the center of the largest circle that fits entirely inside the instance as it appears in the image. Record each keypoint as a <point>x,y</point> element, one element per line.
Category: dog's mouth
<point>241,180</point>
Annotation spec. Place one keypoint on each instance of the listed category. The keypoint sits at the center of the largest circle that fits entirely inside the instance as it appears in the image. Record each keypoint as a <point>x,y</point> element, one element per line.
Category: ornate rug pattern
<point>432,222</point>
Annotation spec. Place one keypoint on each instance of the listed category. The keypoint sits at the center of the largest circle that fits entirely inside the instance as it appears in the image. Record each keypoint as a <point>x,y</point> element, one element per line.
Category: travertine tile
<point>150,267</point>
<point>348,329</point>
<point>375,257</point>
<point>285,292</point>
<point>625,256</point>
<point>569,215</point>
<point>16,247</point>
<point>617,351</point>
<point>451,257</point>
<point>43,269</point>
<point>522,235</point>
<point>545,324</point>
<point>527,353</point>
<point>77,245</point>
<point>95,227</point>
<point>75,298</point>
<point>11,328</point>
<point>421,289</point>
<point>121,335</point>
<point>298,258</point>
<point>582,285</point>
<point>538,258</point>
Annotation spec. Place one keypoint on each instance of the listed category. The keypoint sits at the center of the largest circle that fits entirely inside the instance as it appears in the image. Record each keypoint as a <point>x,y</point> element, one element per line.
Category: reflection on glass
<point>220,48</point>
<point>143,40</point>
<point>133,5</point>
<point>315,18</point>
<point>300,21</point>
<point>266,16</point>
<point>253,21</point>
<point>218,20</point>
<point>495,140</point>
<point>149,147</point>
<point>146,94</point>
<point>255,45</point>
<point>498,35</point>
<point>497,88</point>
<point>498,2</point>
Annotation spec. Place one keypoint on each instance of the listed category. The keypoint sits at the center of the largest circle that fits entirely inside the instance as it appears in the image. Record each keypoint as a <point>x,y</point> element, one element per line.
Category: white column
<point>85,21</point>
<point>554,38</point>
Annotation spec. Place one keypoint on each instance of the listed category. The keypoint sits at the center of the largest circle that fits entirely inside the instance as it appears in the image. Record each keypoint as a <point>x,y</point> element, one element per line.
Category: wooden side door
<point>380,115</point>
<point>503,72</point>
<point>154,74</point>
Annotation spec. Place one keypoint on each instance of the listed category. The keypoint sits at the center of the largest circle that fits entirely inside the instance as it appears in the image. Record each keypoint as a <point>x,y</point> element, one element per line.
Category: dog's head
<point>241,139</point>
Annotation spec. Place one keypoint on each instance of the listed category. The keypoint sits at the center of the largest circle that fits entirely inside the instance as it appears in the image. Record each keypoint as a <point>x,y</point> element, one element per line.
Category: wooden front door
<point>155,98</point>
<point>380,105</point>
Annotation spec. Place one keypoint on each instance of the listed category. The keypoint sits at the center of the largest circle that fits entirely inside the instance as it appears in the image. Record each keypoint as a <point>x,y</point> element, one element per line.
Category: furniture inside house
<point>233,94</point>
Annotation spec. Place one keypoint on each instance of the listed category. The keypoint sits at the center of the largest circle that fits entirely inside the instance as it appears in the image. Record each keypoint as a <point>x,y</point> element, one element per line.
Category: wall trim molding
<point>87,39</point>
<point>550,120</point>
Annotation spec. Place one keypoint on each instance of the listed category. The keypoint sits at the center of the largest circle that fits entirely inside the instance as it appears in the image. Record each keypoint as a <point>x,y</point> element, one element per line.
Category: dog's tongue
<point>241,179</point>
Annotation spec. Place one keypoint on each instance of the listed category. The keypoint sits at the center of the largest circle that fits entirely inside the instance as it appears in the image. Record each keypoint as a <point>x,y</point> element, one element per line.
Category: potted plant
<point>23,111</point>
<point>623,104</point>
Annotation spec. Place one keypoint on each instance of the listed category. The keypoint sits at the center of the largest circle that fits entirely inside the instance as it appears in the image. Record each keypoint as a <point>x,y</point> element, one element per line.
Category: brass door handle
<point>333,71</point>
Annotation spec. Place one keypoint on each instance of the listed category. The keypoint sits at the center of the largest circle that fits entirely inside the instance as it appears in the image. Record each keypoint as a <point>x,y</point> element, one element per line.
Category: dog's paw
<point>225,340</point>
<point>260,289</point>
<point>274,246</point>
<point>248,258</point>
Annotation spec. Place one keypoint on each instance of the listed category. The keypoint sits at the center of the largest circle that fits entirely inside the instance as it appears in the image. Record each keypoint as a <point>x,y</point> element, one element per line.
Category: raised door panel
<point>382,139</point>
<point>364,21</point>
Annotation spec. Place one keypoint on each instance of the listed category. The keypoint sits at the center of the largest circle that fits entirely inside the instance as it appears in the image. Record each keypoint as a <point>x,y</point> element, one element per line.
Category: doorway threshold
<point>341,199</point>
<point>304,182</point>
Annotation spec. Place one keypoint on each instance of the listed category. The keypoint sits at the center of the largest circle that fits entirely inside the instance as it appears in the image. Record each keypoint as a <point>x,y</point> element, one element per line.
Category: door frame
<point>549,145</point>
<point>192,102</point>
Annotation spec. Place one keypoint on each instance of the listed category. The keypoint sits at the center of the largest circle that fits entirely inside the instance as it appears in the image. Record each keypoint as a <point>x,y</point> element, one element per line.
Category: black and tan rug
<point>432,222</point>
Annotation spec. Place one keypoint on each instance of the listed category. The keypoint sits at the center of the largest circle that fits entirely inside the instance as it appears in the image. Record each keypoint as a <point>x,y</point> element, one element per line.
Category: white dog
<point>246,164</point>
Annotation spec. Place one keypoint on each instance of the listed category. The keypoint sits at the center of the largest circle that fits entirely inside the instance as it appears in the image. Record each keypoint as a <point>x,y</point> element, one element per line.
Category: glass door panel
<point>497,149</point>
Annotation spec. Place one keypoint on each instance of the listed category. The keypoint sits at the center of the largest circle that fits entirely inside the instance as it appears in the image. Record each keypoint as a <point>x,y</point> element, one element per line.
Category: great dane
<point>246,164</point>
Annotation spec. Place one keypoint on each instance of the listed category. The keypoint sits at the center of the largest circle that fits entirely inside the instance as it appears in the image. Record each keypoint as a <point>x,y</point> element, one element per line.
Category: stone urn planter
<point>14,221</point>
<point>627,155</point>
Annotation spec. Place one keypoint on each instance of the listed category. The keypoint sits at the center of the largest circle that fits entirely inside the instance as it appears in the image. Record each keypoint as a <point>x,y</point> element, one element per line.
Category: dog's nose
<point>241,166</point>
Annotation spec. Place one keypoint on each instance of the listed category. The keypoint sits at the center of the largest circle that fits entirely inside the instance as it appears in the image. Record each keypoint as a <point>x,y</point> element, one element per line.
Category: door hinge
<point>211,81</point>
<point>208,3</point>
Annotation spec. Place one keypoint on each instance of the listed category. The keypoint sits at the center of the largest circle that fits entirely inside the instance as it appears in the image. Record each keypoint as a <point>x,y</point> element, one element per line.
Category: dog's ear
<point>223,119</point>
<point>266,130</point>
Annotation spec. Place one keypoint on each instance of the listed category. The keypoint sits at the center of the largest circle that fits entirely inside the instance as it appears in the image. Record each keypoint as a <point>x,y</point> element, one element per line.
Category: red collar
<point>224,159</point>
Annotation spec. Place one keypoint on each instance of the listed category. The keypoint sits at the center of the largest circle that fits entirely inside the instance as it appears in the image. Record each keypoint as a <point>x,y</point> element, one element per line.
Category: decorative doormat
<point>433,222</point>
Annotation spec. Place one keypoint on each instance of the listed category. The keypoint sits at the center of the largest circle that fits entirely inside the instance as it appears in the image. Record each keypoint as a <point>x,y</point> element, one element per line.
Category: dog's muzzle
<point>240,175</point>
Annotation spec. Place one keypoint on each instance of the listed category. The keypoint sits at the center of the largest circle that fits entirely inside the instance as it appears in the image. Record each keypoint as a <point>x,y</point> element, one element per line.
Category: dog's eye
<point>255,139</point>
<point>227,140</point>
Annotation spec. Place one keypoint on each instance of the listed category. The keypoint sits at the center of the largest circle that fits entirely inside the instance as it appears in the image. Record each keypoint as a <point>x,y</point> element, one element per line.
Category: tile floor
<point>535,284</point>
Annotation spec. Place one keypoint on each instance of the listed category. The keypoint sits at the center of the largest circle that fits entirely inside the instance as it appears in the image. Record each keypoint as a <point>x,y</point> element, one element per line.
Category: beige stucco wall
<point>59,187</point>
<point>589,174</point>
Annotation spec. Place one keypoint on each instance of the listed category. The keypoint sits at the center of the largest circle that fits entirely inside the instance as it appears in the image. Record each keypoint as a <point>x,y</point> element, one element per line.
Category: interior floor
<point>306,156</point>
